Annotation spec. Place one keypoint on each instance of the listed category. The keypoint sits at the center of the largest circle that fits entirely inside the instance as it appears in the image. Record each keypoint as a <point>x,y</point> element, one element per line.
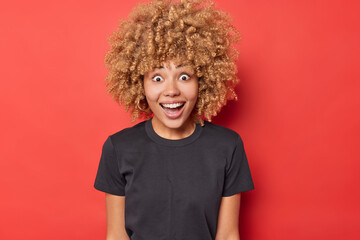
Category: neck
<point>173,133</point>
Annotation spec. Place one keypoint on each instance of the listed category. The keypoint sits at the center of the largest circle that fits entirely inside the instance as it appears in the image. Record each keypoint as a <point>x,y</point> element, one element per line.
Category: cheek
<point>151,92</point>
<point>192,91</point>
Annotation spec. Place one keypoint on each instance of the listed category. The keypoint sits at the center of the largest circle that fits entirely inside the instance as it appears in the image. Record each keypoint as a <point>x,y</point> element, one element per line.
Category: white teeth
<point>173,105</point>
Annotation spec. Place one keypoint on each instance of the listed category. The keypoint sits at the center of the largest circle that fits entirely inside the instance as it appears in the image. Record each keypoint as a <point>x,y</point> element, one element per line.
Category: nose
<point>171,88</point>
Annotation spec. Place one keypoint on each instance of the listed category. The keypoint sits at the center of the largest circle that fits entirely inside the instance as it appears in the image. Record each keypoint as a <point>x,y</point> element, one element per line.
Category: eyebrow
<point>178,66</point>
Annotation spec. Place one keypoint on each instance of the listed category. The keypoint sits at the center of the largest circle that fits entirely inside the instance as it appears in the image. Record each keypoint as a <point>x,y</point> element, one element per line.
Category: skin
<point>172,83</point>
<point>228,219</point>
<point>115,217</point>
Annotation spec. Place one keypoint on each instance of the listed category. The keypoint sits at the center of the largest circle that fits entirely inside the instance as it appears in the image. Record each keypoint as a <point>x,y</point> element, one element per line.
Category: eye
<point>157,78</point>
<point>184,76</point>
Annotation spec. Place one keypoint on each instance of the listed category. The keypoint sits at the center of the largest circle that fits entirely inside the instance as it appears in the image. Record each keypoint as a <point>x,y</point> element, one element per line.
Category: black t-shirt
<point>173,188</point>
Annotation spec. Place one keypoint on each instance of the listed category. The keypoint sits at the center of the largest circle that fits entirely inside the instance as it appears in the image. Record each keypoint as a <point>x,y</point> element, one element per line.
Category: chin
<point>174,123</point>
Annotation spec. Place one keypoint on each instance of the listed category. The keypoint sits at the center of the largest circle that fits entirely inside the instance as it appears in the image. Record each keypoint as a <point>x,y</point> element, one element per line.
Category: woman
<point>174,175</point>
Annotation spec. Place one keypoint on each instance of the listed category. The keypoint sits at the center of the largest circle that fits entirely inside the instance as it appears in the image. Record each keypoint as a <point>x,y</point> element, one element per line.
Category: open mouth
<point>172,106</point>
<point>173,110</point>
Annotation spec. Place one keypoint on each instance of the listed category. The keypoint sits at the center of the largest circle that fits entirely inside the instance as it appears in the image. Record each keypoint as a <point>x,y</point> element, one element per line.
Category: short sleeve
<point>108,178</point>
<point>237,174</point>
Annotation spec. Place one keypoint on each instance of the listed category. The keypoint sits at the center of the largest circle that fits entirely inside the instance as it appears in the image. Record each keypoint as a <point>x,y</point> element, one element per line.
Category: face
<point>171,92</point>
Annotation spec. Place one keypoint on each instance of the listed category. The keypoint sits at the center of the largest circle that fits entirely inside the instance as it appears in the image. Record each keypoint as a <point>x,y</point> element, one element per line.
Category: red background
<point>298,114</point>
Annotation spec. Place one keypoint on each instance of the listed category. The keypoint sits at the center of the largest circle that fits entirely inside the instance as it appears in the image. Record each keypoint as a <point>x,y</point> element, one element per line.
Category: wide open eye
<point>184,76</point>
<point>157,78</point>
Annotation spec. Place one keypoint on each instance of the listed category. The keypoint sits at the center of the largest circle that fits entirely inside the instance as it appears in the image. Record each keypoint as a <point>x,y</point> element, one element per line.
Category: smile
<point>173,110</point>
<point>173,105</point>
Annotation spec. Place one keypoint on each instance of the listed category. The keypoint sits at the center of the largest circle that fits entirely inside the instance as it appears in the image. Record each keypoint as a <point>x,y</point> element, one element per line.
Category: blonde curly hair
<point>187,32</point>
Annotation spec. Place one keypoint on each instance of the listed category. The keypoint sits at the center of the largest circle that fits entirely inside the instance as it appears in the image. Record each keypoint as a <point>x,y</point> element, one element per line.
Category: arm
<point>115,214</point>
<point>228,220</point>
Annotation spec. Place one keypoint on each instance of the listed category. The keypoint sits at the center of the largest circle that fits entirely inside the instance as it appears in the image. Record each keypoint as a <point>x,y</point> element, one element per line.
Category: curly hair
<point>187,32</point>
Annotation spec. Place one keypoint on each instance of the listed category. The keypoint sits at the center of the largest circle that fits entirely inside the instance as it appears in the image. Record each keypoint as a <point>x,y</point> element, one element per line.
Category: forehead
<point>173,66</point>
<point>170,64</point>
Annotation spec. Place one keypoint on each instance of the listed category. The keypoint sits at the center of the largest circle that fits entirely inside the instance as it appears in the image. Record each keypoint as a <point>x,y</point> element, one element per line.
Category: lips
<point>172,105</point>
<point>173,110</point>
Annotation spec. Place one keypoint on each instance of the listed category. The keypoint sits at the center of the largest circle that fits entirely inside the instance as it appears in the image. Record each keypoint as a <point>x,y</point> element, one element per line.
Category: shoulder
<point>129,136</point>
<point>220,134</point>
